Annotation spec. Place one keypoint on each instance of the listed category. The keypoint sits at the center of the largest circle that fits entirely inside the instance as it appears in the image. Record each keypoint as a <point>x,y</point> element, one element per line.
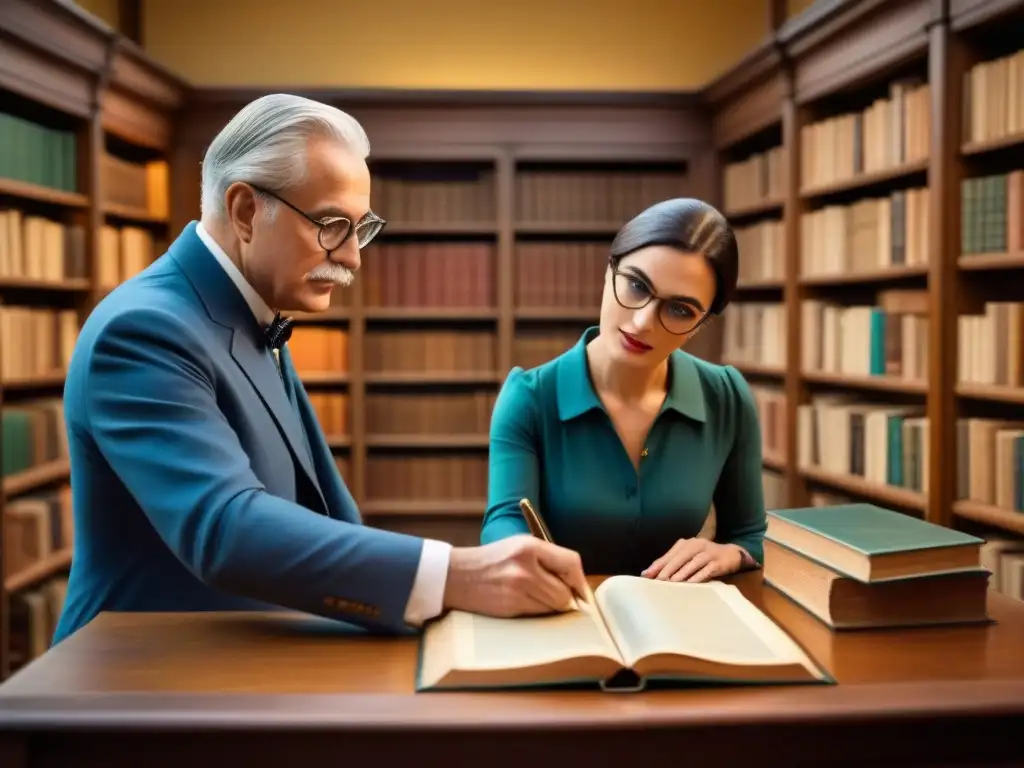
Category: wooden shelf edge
<point>756,369</point>
<point>773,461</point>
<point>557,314</point>
<point>428,378</point>
<point>979,262</point>
<point>40,284</point>
<point>1006,519</point>
<point>880,383</point>
<point>873,276</point>
<point>597,228</point>
<point>23,482</point>
<point>414,440</point>
<point>130,213</point>
<point>755,209</point>
<point>414,314</point>
<point>761,285</point>
<point>40,194</point>
<point>423,508</point>
<point>865,180</point>
<point>973,148</point>
<point>46,567</point>
<point>991,393</point>
<point>440,228</point>
<point>883,494</point>
<point>32,382</point>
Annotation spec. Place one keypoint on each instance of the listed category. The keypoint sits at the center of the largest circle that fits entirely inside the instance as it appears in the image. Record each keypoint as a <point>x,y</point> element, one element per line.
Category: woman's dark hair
<point>690,225</point>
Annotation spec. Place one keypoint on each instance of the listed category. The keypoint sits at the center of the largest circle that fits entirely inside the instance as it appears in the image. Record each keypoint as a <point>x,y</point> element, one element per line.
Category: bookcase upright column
<point>945,63</point>
<point>796,488</point>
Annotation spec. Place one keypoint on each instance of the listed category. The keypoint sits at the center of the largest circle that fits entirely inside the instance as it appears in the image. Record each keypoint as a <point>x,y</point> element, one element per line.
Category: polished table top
<point>204,669</point>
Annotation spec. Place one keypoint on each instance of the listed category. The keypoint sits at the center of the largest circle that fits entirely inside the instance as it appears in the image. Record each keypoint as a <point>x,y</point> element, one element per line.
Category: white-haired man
<point>201,479</point>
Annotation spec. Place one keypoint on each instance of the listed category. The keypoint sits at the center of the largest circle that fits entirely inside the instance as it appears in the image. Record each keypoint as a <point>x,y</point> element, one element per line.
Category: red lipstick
<point>633,344</point>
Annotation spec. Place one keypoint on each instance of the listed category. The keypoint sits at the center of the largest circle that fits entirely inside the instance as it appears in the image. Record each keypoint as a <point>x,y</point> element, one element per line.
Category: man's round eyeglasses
<point>677,317</point>
<point>333,231</point>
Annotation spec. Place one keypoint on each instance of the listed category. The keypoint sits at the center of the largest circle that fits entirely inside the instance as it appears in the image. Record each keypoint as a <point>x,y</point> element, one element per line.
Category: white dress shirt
<point>427,597</point>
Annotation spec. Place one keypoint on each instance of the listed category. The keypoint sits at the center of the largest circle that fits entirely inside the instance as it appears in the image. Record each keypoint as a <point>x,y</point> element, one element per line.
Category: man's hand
<point>696,560</point>
<point>520,575</point>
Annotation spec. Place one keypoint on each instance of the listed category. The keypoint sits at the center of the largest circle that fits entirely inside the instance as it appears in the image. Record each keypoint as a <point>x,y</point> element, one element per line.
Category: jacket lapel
<point>323,458</point>
<point>227,307</point>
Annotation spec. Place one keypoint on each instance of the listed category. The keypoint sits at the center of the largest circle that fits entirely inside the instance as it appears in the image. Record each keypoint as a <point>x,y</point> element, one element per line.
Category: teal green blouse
<point>553,443</point>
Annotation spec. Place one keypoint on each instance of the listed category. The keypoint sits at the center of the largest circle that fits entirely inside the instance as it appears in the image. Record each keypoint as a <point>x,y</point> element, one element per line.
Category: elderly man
<point>201,479</point>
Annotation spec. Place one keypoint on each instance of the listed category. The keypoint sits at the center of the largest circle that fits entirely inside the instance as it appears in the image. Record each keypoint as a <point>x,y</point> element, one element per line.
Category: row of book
<point>771,410</point>
<point>565,275</point>
<point>332,412</point>
<point>433,477</point>
<point>601,197</point>
<point>990,345</point>
<point>39,248</point>
<point>36,527</point>
<point>871,234</point>
<point>33,619</point>
<point>124,252</point>
<point>38,154</point>
<point>758,179</point>
<point>33,433</point>
<point>887,339</point>
<point>35,342</point>
<point>891,133</point>
<point>762,249</point>
<point>990,462</point>
<point>883,444</point>
<point>412,275</point>
<point>993,214</point>
<point>993,100</point>
<point>429,413</point>
<point>140,188</point>
<point>319,349</point>
<point>436,195</point>
<point>755,334</point>
<point>531,348</point>
<point>401,351</point>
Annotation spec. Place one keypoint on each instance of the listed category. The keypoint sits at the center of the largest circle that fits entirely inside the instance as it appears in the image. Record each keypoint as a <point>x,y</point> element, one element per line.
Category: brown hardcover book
<point>842,602</point>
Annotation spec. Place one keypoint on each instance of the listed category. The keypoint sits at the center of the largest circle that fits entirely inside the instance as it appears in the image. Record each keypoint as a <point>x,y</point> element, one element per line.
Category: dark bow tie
<point>279,331</point>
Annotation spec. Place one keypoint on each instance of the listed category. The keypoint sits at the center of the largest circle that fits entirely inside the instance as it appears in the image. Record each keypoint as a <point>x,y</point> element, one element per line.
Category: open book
<point>634,631</point>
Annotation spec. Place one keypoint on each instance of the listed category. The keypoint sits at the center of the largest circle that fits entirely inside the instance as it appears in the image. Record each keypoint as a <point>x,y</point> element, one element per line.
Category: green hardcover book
<point>869,543</point>
<point>631,633</point>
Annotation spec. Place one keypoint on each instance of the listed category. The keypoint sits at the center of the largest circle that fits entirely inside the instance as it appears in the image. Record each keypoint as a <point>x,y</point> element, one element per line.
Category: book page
<point>710,621</point>
<point>472,642</point>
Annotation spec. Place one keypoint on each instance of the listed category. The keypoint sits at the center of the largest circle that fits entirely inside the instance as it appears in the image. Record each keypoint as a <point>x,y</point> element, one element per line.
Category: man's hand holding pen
<point>517,576</point>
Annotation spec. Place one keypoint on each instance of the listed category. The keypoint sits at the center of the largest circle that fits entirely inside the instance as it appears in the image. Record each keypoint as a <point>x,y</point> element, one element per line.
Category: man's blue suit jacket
<point>188,460</point>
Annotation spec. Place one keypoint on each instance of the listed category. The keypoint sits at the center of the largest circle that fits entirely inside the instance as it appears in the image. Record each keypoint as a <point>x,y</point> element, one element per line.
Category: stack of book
<point>857,566</point>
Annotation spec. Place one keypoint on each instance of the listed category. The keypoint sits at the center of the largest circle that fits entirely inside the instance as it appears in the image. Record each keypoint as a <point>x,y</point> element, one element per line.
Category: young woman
<point>623,443</point>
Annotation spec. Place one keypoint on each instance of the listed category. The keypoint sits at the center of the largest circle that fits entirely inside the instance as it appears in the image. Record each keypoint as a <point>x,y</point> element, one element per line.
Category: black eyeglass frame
<point>322,224</point>
<point>652,296</point>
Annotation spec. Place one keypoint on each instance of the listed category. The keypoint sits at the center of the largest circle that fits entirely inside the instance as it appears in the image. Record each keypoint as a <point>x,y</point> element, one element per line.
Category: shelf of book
<point>899,313</point>
<point>80,104</point>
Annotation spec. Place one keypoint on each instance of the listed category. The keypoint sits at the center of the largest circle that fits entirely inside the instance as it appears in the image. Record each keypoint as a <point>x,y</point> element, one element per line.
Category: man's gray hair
<point>264,144</point>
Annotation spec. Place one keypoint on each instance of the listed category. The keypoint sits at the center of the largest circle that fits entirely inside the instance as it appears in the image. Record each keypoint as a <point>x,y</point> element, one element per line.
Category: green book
<point>869,543</point>
<point>631,633</point>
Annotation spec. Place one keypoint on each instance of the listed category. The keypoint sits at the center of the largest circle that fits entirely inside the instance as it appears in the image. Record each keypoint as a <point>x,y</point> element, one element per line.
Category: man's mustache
<point>332,273</point>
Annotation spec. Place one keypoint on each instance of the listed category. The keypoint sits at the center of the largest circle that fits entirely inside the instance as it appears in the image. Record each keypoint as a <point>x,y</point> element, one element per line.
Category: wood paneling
<point>857,43</point>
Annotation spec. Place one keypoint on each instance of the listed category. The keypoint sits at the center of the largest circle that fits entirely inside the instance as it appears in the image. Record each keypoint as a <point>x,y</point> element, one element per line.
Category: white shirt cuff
<point>427,597</point>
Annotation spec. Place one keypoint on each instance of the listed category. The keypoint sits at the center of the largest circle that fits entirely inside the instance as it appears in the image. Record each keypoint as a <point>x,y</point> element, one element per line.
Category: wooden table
<point>205,689</point>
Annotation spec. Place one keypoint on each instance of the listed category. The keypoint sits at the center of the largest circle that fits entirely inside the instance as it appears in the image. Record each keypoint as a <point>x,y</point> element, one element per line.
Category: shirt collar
<point>576,394</point>
<point>263,313</point>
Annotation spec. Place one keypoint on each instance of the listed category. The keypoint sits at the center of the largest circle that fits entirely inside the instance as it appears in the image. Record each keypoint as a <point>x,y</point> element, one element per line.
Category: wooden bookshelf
<point>72,89</point>
<point>916,328</point>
